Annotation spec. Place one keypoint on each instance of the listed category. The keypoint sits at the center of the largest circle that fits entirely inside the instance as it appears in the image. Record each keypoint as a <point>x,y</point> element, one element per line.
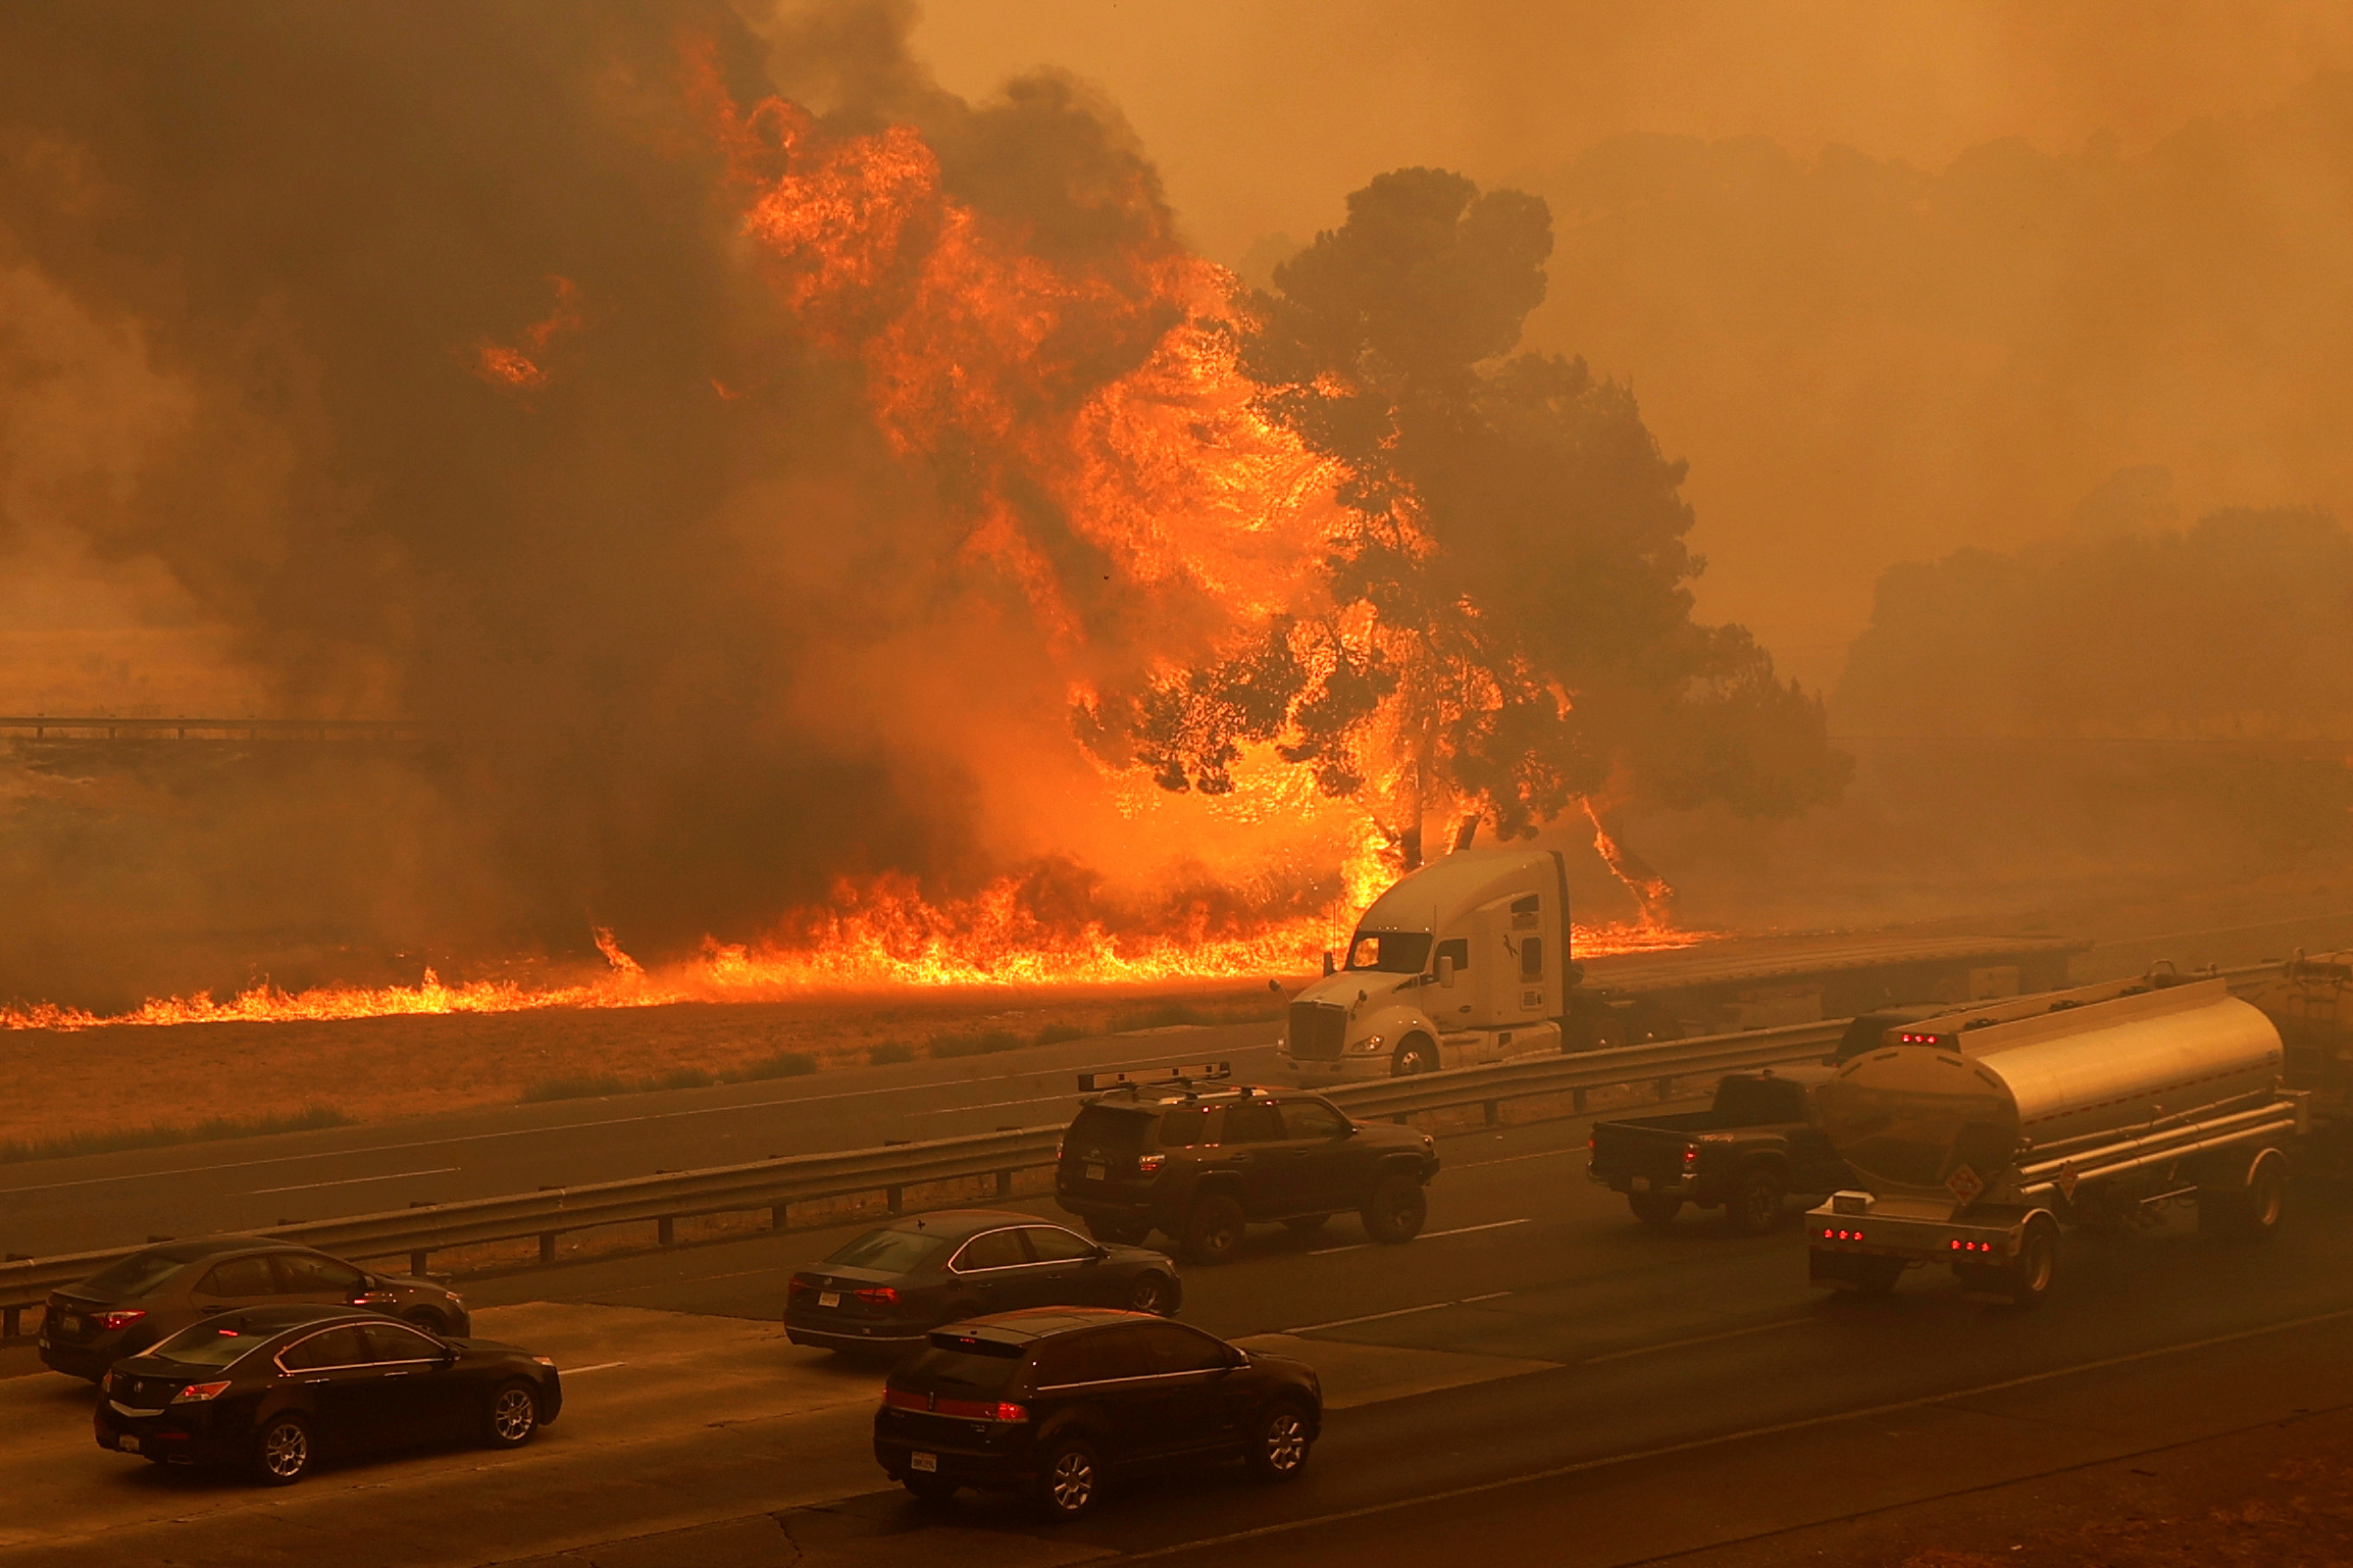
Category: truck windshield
<point>1393,952</point>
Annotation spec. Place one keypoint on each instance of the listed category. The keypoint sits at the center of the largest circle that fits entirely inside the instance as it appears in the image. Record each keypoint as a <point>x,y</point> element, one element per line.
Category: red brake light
<point>123,1319</point>
<point>900,1399</point>
<point>1009,1412</point>
<point>879,1295</point>
<point>795,1286</point>
<point>198,1392</point>
<point>1691,1154</point>
<point>106,1384</point>
<point>982,1410</point>
<point>1149,1163</point>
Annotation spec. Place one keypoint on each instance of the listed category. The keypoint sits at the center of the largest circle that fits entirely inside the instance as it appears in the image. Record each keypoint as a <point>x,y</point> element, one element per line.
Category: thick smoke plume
<point>737,556</point>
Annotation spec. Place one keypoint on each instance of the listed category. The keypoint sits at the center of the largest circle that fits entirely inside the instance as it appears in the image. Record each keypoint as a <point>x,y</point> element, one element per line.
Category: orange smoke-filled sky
<point>1823,449</point>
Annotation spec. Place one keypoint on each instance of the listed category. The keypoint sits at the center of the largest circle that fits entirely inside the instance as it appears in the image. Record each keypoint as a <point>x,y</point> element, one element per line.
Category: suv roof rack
<point>1178,1078</point>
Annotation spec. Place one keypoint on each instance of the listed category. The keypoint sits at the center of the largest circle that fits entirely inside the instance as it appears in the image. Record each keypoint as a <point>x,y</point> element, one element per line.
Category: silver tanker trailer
<point>1976,1135</point>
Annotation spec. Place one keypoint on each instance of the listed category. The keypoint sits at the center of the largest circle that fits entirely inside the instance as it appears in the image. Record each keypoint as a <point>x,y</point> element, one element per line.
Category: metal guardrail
<point>70,727</point>
<point>774,1183</point>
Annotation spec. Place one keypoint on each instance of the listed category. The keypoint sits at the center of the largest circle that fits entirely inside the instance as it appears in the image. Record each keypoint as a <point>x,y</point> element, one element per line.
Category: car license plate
<point>1641,1184</point>
<point>128,1444</point>
<point>829,1299</point>
<point>1095,1173</point>
<point>929,1463</point>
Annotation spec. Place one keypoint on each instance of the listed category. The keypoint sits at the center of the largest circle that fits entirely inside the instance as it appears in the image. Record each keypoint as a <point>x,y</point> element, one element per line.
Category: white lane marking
<point>601,1366</point>
<point>1400,1312</point>
<point>573,1126</point>
<point>349,1181</point>
<point>1513,1159</point>
<point>1703,1339</point>
<point>1555,1472</point>
<point>1427,1236</point>
<point>996,1106</point>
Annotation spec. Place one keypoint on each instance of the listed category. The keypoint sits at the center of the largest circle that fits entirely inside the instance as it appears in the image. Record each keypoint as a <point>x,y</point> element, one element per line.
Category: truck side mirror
<point>1446,969</point>
<point>1329,967</point>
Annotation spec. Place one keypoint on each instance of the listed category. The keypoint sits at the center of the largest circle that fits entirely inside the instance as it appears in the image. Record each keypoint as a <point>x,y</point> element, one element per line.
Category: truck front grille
<point>1318,1031</point>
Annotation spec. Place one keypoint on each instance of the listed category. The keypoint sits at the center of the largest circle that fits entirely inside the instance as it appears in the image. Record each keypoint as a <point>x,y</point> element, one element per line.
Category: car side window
<point>239,1277</point>
<point>388,1341</point>
<point>303,1275</point>
<point>1187,1126</point>
<point>1173,1348</point>
<point>1067,1359</point>
<point>1531,958</point>
<point>1050,1244</point>
<point>337,1347</point>
<point>1457,949</point>
<point>1120,1353</point>
<point>993,1249</point>
<point>1253,1122</point>
<point>1312,1119</point>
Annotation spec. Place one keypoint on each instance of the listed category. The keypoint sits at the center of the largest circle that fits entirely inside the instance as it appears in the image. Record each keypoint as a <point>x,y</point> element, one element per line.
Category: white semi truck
<point>1974,1135</point>
<point>1466,961</point>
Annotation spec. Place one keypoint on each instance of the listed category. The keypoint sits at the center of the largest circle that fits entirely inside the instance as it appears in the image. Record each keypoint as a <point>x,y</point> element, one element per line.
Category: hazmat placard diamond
<point>1963,1184</point>
<point>2065,1181</point>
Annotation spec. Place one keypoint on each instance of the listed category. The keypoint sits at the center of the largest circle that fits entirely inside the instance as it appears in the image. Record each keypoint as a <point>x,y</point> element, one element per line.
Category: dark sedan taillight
<point>797,1285</point>
<point>879,1295</point>
<point>123,1319</point>
<point>900,1399</point>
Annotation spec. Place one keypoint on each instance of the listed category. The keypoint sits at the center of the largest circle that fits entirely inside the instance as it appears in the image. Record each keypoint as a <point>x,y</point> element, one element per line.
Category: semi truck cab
<point>1463,962</point>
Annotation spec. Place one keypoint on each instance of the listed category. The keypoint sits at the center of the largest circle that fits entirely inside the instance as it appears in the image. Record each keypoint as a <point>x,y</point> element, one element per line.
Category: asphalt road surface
<point>1534,1375</point>
<point>54,1206</point>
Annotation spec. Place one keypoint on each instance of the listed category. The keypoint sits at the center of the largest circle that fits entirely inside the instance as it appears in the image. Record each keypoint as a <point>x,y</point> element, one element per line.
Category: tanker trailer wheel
<point>2251,1212</point>
<point>2029,1276</point>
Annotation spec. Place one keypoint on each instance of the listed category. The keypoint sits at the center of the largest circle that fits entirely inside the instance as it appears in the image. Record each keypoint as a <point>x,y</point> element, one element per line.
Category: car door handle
<point>1243,1156</point>
<point>210,1310</point>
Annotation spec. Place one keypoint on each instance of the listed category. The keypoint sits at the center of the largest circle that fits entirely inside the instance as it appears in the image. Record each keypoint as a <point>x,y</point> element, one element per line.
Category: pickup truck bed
<point>1750,1148</point>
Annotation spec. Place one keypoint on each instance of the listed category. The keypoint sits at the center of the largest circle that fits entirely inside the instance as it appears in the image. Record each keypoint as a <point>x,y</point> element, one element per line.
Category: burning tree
<point>1504,625</point>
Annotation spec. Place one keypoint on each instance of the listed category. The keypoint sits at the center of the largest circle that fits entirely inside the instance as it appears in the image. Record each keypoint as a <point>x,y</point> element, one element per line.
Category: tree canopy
<point>1505,624</point>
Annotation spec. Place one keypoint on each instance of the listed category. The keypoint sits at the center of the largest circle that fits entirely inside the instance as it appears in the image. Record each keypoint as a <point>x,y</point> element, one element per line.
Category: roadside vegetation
<point>166,1134</point>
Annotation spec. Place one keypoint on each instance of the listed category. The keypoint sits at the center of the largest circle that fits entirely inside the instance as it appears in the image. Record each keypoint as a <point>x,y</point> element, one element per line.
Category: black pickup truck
<point>1757,1144</point>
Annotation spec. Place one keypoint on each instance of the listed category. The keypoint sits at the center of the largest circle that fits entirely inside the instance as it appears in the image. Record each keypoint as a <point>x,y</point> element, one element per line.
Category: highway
<point>1534,1374</point>
<point>54,1206</point>
<point>120,1199</point>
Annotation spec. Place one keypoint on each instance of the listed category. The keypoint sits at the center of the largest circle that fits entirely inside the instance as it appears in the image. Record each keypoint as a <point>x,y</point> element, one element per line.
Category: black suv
<point>1198,1161</point>
<point>152,1295</point>
<point>1053,1400</point>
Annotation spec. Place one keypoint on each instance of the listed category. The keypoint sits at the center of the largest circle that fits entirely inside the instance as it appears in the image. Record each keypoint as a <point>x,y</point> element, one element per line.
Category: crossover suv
<point>883,1293</point>
<point>273,1388</point>
<point>1056,1400</point>
<point>149,1295</point>
<point>1199,1161</point>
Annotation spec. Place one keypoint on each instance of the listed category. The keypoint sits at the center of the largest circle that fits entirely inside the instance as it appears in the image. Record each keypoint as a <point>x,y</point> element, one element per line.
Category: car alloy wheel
<point>1283,1441</point>
<point>1214,1233</point>
<point>514,1415</point>
<point>284,1452</point>
<point>1068,1481</point>
<point>1150,1293</point>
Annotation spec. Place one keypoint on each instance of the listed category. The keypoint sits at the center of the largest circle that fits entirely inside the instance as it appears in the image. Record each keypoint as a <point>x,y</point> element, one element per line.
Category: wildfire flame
<point>971,345</point>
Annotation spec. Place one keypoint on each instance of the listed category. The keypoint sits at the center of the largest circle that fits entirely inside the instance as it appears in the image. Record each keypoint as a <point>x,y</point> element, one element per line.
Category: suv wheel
<point>1213,1231</point>
<point>1067,1479</point>
<point>1398,1206</point>
<point>1278,1450</point>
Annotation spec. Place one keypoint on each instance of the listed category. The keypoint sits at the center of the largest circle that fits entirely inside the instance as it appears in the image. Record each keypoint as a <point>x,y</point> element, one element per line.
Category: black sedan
<point>275,1389</point>
<point>884,1291</point>
<point>150,1296</point>
<point>1056,1402</point>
